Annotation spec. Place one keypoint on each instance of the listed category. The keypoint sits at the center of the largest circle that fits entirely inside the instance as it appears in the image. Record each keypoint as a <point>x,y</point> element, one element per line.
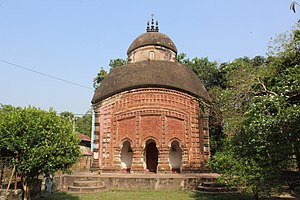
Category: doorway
<point>175,157</point>
<point>151,156</point>
<point>126,157</point>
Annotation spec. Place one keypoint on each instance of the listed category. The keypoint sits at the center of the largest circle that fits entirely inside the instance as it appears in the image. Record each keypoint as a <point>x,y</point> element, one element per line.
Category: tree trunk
<point>255,194</point>
<point>297,153</point>
<point>25,189</point>
<point>2,170</point>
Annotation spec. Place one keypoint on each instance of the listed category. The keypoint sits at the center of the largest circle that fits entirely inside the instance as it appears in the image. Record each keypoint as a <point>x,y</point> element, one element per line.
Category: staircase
<point>87,186</point>
<point>210,186</point>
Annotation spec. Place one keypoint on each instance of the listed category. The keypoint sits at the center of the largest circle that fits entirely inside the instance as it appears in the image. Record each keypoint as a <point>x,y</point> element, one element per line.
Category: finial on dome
<point>153,28</point>
<point>148,27</point>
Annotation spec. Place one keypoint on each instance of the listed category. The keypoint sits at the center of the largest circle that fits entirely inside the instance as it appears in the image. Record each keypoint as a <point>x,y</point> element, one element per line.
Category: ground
<point>159,195</point>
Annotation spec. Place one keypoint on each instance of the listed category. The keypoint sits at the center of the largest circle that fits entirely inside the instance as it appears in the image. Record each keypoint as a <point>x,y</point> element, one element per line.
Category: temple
<point>151,115</point>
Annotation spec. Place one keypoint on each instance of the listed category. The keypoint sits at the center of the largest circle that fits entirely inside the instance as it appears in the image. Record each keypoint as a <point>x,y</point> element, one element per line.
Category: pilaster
<point>163,160</point>
<point>137,160</point>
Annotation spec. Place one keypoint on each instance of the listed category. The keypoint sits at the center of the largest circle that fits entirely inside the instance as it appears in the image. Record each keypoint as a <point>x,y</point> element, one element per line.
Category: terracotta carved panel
<point>126,129</point>
<point>151,126</point>
<point>175,128</point>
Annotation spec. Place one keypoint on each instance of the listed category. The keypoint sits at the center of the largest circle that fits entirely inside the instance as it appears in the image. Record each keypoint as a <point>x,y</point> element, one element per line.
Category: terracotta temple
<point>151,115</point>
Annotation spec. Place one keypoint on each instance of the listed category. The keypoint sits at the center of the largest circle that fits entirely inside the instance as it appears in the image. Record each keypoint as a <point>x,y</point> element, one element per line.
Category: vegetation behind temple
<point>255,115</point>
<point>81,123</point>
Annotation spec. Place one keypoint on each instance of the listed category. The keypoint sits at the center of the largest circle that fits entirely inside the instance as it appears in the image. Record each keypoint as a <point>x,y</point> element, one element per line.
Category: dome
<point>152,38</point>
<point>155,73</point>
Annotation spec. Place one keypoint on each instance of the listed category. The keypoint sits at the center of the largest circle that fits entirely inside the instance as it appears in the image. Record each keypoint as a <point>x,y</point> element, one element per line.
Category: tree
<point>261,110</point>
<point>68,115</point>
<point>114,63</point>
<point>100,76</point>
<point>83,124</point>
<point>37,141</point>
<point>206,70</point>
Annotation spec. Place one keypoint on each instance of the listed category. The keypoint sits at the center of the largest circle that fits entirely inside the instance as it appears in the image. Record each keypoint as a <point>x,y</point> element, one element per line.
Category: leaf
<point>293,6</point>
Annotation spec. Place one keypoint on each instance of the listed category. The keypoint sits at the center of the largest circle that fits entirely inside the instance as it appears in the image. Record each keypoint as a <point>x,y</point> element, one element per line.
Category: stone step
<point>86,189</point>
<point>208,179</point>
<point>85,186</point>
<point>212,184</point>
<point>87,183</point>
<point>217,189</point>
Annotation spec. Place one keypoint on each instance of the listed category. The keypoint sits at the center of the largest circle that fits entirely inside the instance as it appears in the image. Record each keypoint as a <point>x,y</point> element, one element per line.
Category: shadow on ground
<point>288,195</point>
<point>59,195</point>
<point>284,196</point>
<point>238,196</point>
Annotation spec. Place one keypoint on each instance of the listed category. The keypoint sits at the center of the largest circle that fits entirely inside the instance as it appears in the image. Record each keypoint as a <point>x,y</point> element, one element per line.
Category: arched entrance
<point>126,157</point>
<point>175,156</point>
<point>151,156</point>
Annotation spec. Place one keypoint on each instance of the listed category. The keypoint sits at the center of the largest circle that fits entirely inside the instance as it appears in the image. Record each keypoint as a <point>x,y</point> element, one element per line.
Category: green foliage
<point>100,76</point>
<point>114,63</point>
<point>206,70</point>
<point>68,115</point>
<point>286,43</point>
<point>37,141</point>
<point>260,105</point>
<point>243,172</point>
<point>216,129</point>
<point>83,124</point>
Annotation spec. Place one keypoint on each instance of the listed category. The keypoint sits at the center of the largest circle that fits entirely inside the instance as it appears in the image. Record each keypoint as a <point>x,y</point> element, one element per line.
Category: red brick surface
<point>162,115</point>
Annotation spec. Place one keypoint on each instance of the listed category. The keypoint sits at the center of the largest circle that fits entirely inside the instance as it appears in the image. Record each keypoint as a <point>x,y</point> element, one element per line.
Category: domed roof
<point>155,73</point>
<point>152,38</point>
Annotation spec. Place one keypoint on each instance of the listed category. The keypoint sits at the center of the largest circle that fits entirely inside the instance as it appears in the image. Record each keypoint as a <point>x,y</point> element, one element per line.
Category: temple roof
<point>155,73</point>
<point>152,38</point>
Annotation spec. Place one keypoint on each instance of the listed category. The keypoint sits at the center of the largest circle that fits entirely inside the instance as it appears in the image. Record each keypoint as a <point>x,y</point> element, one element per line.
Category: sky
<point>50,51</point>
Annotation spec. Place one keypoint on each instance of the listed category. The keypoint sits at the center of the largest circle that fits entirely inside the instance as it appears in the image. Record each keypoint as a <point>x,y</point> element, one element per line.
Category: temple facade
<point>151,115</point>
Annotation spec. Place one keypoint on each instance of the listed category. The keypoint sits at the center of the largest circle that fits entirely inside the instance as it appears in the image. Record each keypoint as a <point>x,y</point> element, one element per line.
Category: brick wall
<point>84,164</point>
<point>162,115</point>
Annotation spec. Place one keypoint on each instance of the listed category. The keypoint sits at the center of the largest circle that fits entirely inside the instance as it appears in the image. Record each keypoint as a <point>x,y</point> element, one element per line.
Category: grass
<point>144,195</point>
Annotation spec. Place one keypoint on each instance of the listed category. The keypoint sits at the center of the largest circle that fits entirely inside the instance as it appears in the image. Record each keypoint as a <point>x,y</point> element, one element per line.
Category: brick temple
<point>152,113</point>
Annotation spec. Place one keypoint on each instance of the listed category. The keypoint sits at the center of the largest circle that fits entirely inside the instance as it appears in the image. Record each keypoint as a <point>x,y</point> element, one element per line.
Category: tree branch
<point>265,88</point>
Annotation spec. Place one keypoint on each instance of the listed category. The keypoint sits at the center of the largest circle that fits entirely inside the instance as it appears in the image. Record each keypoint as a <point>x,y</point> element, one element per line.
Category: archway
<point>126,157</point>
<point>175,156</point>
<point>151,156</point>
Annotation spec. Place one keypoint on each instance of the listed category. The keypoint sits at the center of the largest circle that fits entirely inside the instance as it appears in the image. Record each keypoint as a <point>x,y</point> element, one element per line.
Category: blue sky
<point>72,39</point>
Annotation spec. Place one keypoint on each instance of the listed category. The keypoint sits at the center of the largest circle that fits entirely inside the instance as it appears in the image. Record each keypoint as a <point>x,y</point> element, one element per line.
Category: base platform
<point>140,181</point>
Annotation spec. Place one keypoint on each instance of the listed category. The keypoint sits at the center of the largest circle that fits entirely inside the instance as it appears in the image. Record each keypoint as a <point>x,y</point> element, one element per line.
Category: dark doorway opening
<point>151,156</point>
